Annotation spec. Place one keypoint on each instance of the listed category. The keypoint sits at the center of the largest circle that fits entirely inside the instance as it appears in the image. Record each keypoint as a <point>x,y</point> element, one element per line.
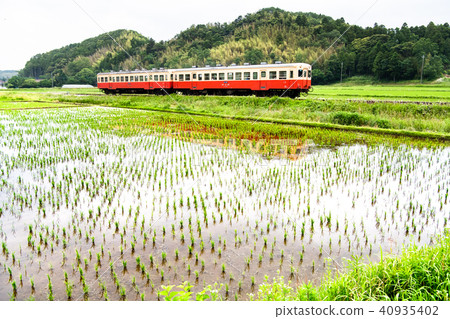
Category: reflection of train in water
<point>262,80</point>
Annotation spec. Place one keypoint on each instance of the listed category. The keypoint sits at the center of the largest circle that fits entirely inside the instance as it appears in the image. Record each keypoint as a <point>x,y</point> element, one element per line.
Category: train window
<point>121,78</point>
<point>136,78</point>
<point>282,75</point>
<point>246,75</point>
<point>221,76</point>
<point>214,76</point>
<point>181,77</point>
<point>165,77</point>
<point>151,77</point>
<point>230,76</point>
<point>161,77</point>
<point>100,79</point>
<point>171,77</point>
<point>263,74</point>
<point>200,77</point>
<point>291,74</point>
<point>111,80</point>
<point>206,76</point>
<point>255,75</point>
<point>309,73</point>
<point>131,78</point>
<point>126,78</point>
<point>272,74</point>
<point>304,74</point>
<point>187,77</point>
<point>194,76</point>
<point>141,78</point>
<point>238,76</point>
<point>146,78</point>
<point>176,77</point>
<point>299,73</point>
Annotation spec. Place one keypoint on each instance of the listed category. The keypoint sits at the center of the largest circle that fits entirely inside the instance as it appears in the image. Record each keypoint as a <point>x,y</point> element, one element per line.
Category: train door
<point>194,81</point>
<point>263,81</point>
<point>305,78</point>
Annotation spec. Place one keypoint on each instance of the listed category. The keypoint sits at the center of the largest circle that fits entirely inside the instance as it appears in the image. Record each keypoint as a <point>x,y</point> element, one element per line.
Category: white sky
<point>29,27</point>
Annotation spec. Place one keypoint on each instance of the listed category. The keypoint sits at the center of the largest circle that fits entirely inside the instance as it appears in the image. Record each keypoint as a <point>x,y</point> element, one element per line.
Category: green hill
<point>268,35</point>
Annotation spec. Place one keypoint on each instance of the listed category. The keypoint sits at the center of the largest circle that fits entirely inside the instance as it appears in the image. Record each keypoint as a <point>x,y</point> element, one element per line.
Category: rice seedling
<point>14,287</point>
<point>69,289</point>
<point>138,261</point>
<point>123,292</point>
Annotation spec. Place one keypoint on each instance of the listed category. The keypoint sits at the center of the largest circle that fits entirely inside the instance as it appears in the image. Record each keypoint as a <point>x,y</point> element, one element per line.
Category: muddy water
<point>67,187</point>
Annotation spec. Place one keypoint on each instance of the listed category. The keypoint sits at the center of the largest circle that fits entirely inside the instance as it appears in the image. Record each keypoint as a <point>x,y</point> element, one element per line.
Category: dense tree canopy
<point>268,35</point>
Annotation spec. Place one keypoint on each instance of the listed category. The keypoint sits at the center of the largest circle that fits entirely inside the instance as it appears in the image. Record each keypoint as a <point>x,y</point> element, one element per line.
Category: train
<point>288,79</point>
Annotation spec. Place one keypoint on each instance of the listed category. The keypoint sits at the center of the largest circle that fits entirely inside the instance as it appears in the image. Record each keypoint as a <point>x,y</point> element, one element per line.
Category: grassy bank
<point>418,274</point>
<point>379,115</point>
<point>136,121</point>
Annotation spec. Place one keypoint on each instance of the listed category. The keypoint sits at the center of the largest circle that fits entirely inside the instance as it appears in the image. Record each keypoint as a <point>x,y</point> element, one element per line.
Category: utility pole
<point>421,72</point>
<point>342,66</point>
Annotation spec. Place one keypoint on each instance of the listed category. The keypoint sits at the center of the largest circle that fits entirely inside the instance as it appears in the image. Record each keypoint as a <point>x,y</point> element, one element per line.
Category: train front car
<point>262,80</point>
<point>136,81</point>
<point>285,79</point>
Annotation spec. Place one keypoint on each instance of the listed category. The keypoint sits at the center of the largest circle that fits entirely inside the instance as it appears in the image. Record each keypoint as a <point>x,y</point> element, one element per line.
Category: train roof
<point>250,66</point>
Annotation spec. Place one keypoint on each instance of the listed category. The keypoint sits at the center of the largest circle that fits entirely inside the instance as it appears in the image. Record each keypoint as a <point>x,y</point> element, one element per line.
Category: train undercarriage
<point>228,92</point>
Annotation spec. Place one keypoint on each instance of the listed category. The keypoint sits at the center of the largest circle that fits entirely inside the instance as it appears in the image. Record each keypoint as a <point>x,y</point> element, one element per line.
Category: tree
<point>301,20</point>
<point>15,82</point>
<point>77,65</point>
<point>253,56</point>
<point>86,76</point>
<point>30,83</point>
<point>433,68</point>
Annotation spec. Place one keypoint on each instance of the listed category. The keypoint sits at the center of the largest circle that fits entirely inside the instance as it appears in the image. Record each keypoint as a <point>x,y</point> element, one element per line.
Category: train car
<point>124,81</point>
<point>262,80</point>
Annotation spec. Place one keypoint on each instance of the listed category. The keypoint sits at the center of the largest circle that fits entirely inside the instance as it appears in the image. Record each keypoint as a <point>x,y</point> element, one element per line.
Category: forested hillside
<point>268,35</point>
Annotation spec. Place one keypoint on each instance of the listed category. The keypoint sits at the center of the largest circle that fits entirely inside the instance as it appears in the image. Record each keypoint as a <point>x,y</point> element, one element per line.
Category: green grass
<point>15,105</point>
<point>324,105</point>
<point>354,120</point>
<point>411,92</point>
<point>418,274</point>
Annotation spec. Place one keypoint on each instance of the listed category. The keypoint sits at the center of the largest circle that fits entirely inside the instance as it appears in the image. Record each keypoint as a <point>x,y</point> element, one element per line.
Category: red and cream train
<point>262,80</point>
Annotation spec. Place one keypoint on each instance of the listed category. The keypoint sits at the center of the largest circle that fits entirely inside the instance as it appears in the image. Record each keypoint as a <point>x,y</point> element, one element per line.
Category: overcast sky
<point>29,27</point>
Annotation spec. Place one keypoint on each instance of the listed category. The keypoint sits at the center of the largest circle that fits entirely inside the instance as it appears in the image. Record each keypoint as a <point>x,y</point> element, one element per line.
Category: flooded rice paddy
<point>86,213</point>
